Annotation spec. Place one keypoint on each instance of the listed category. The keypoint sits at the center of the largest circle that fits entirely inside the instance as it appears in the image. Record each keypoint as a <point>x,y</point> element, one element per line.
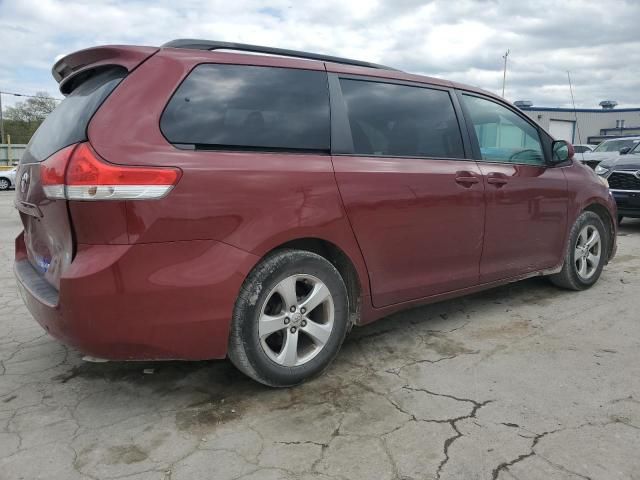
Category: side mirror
<point>625,150</point>
<point>562,151</point>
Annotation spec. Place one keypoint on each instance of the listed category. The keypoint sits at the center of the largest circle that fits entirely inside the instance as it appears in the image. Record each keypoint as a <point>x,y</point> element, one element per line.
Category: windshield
<point>615,145</point>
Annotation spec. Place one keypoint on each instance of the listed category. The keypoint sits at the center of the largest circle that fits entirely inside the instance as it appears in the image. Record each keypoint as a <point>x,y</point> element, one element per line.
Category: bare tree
<point>33,109</point>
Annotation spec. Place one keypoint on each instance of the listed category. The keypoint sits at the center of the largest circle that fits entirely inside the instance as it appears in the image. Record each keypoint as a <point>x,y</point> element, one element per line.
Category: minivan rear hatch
<point>48,232</point>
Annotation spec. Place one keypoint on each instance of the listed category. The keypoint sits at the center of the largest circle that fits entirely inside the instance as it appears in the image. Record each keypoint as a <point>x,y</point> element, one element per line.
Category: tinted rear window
<point>67,124</point>
<point>398,120</point>
<point>237,106</point>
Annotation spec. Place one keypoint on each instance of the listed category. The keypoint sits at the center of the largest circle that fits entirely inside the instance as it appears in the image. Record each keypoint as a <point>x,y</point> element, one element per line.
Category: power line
<point>29,96</point>
<point>17,95</point>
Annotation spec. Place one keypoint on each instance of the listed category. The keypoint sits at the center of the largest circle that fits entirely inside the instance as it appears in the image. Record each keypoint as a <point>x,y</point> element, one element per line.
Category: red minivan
<point>209,199</point>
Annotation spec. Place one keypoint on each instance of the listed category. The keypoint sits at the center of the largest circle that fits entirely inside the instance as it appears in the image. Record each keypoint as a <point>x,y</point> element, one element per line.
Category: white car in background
<point>583,147</point>
<point>610,150</point>
<point>8,178</point>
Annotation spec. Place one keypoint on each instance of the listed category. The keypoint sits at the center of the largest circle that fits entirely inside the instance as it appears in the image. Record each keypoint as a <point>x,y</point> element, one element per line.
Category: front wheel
<point>290,318</point>
<point>586,254</point>
<point>4,184</point>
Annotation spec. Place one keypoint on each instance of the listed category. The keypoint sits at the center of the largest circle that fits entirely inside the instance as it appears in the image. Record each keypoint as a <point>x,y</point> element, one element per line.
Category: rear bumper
<point>169,300</point>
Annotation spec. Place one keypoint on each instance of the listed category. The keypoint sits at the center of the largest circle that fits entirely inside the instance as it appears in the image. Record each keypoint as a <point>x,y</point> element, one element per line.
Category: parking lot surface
<point>520,382</point>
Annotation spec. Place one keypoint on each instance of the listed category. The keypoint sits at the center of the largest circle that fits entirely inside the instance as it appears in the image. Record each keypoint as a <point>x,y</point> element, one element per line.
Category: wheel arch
<point>608,222</point>
<point>341,261</point>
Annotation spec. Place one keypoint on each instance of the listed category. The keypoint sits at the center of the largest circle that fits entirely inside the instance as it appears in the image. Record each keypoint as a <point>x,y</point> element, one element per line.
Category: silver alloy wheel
<point>587,252</point>
<point>296,320</point>
<point>4,184</point>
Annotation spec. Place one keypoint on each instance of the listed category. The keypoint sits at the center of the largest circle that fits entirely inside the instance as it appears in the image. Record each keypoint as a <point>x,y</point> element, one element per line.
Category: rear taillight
<point>78,173</point>
<point>52,172</point>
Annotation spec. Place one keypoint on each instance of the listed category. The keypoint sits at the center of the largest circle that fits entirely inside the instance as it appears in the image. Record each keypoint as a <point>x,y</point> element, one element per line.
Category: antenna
<point>504,74</point>
<point>575,113</point>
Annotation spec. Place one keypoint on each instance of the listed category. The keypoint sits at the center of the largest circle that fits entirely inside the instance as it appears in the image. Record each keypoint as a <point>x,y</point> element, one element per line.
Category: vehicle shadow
<point>218,379</point>
<point>207,389</point>
<point>629,226</point>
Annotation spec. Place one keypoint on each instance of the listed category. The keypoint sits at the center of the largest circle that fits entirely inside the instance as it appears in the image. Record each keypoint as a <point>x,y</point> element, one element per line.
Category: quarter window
<point>503,135</point>
<point>398,120</point>
<point>67,124</point>
<point>237,106</point>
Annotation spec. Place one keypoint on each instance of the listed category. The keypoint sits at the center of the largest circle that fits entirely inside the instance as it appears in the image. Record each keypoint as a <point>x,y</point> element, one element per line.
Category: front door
<point>526,199</point>
<point>415,203</point>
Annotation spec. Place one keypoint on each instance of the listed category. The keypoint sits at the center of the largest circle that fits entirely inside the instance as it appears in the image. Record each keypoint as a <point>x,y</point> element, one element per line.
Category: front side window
<point>398,120</point>
<point>503,135</point>
<point>238,106</point>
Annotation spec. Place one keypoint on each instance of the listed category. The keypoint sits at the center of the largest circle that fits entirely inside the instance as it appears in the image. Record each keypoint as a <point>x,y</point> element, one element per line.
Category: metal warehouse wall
<point>590,122</point>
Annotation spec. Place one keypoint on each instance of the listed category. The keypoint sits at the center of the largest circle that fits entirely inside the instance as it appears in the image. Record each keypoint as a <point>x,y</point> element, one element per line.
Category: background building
<point>585,125</point>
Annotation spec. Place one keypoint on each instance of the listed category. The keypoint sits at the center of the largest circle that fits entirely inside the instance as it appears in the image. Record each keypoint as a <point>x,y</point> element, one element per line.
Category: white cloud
<point>461,40</point>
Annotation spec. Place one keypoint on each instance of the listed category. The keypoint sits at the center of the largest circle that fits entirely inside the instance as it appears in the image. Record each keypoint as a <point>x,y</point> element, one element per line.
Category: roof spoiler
<point>70,66</point>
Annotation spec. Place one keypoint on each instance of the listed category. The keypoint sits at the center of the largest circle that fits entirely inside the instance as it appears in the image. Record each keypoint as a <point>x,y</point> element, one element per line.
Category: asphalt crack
<point>475,403</point>
<point>305,442</point>
<point>453,422</point>
<point>504,466</point>
<point>396,371</point>
<point>563,468</point>
<point>325,446</point>
<point>449,441</point>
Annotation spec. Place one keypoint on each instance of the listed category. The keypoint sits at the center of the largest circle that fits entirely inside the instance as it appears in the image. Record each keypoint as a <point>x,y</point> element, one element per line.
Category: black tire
<point>568,277</point>
<point>620,218</point>
<point>246,350</point>
<point>4,184</point>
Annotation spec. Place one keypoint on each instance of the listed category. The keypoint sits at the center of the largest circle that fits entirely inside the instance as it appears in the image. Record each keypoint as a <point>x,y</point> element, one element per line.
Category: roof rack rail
<point>215,45</point>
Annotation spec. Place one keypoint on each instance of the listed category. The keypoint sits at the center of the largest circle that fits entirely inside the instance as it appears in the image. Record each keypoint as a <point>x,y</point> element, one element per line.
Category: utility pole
<point>504,74</point>
<point>575,112</point>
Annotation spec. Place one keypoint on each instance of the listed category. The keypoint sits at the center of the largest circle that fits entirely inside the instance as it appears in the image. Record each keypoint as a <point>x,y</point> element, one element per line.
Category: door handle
<point>497,179</point>
<point>466,179</point>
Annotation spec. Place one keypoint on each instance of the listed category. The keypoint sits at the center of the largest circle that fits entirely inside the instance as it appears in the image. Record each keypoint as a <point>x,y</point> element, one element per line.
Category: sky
<point>461,40</point>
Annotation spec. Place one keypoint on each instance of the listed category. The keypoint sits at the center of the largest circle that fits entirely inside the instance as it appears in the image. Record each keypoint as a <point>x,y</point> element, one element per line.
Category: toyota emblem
<point>24,182</point>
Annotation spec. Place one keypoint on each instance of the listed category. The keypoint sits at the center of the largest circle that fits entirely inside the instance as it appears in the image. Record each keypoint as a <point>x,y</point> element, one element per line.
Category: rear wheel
<point>586,254</point>
<point>4,184</point>
<point>620,218</point>
<point>290,319</point>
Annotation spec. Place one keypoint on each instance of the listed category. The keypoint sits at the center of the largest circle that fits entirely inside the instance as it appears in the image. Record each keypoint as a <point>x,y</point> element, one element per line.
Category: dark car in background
<point>188,203</point>
<point>623,175</point>
<point>610,150</point>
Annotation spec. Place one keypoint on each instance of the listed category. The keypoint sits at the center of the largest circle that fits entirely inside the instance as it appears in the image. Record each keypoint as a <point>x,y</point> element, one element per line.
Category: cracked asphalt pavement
<point>520,382</point>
